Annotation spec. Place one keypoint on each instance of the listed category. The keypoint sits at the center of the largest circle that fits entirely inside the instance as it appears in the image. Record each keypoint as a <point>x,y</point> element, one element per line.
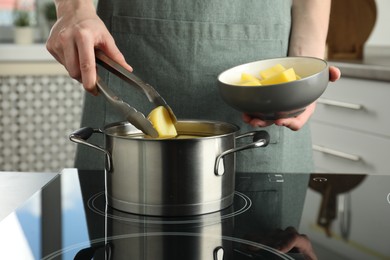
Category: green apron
<point>180,47</point>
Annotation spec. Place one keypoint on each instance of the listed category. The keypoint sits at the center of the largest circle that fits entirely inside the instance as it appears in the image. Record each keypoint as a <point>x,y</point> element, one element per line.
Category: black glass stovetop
<point>274,216</point>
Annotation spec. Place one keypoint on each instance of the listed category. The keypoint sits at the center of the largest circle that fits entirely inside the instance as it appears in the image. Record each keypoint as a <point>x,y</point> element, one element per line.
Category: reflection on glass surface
<point>29,219</point>
<point>28,232</point>
<point>73,213</point>
<point>69,219</point>
<point>357,224</point>
<point>14,243</point>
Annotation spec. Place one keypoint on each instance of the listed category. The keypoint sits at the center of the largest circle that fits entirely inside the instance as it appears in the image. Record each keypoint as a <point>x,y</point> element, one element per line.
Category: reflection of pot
<point>171,176</point>
<point>140,237</point>
<point>330,186</point>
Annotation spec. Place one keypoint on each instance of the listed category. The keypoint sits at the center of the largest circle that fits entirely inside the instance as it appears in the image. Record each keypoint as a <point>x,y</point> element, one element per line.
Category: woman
<point>180,47</point>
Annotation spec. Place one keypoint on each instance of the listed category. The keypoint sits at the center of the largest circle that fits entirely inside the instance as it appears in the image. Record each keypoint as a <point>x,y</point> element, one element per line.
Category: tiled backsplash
<point>37,114</point>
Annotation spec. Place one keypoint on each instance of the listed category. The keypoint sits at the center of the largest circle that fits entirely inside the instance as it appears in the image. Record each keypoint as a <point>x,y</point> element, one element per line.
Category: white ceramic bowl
<point>283,100</point>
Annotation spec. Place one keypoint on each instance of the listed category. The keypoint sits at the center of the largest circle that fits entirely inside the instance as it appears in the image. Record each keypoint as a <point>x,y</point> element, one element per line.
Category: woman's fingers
<point>334,73</point>
<point>293,123</point>
<point>296,123</point>
<point>74,38</point>
<point>86,61</point>
<point>255,122</point>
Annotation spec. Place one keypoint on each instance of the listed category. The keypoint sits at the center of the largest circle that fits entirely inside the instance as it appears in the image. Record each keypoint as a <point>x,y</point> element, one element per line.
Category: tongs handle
<point>131,114</point>
<point>115,68</point>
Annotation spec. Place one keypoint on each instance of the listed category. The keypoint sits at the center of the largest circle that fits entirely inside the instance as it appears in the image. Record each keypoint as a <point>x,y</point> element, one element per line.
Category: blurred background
<point>40,105</point>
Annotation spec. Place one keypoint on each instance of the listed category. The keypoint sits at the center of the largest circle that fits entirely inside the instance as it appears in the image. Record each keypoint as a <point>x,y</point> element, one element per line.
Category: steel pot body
<point>189,175</point>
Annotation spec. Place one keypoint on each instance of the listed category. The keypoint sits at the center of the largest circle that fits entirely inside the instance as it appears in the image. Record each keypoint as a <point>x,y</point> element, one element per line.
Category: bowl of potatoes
<point>274,88</point>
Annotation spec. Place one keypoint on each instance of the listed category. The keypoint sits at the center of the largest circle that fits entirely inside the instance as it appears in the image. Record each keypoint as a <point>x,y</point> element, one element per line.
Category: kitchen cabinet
<point>350,127</point>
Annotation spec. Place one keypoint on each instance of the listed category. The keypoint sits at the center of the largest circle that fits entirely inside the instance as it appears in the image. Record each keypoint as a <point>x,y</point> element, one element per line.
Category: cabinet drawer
<point>346,151</point>
<point>358,104</point>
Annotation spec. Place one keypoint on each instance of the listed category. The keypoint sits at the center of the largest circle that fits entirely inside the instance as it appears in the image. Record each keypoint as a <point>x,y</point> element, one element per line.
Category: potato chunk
<point>249,80</point>
<point>162,122</point>
<point>251,83</point>
<point>274,75</point>
<point>282,77</point>
<point>267,73</point>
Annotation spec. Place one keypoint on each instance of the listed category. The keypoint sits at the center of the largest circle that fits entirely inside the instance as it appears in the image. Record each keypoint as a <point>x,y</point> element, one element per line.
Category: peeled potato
<point>162,122</point>
<point>248,80</point>
<point>251,83</point>
<point>245,77</point>
<point>273,75</point>
<point>267,73</point>
<point>282,77</point>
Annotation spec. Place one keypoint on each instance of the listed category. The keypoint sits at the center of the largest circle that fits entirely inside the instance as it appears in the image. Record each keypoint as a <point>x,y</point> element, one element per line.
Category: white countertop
<point>374,66</point>
<point>366,69</point>
<point>17,187</point>
<point>32,52</point>
<point>32,59</point>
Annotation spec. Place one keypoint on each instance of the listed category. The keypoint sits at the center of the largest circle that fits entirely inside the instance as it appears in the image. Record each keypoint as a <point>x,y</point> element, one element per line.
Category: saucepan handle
<point>260,139</point>
<point>81,136</point>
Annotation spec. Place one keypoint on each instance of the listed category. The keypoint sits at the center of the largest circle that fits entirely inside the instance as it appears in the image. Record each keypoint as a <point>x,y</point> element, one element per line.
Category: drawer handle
<point>336,153</point>
<point>341,104</point>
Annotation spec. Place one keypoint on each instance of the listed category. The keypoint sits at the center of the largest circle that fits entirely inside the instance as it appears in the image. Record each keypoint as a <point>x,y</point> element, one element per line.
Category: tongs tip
<point>129,77</point>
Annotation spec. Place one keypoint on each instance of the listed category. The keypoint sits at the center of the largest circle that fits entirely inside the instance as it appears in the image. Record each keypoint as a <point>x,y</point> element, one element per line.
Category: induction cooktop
<point>274,216</point>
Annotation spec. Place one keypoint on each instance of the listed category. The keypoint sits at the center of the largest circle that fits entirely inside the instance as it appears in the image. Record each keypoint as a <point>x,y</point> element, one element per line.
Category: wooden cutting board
<point>351,23</point>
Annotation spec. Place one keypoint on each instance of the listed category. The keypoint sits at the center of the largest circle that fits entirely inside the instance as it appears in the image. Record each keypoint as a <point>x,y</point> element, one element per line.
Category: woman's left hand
<point>294,123</point>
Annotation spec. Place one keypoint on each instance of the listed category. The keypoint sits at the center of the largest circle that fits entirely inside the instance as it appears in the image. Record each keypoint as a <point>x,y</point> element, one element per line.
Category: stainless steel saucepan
<point>188,175</point>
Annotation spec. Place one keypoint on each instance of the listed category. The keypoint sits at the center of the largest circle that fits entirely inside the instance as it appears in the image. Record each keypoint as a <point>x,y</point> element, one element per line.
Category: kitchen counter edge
<point>366,69</point>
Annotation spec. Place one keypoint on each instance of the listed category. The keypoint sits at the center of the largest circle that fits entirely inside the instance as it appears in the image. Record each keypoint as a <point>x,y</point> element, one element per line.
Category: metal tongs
<point>135,117</point>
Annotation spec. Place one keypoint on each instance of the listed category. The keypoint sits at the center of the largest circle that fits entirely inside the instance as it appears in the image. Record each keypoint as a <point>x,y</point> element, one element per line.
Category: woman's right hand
<point>74,37</point>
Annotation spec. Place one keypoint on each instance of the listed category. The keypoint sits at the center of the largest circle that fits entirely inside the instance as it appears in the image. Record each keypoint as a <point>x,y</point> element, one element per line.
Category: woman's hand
<point>294,123</point>
<point>286,241</point>
<point>310,19</point>
<point>74,38</point>
<point>290,239</point>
